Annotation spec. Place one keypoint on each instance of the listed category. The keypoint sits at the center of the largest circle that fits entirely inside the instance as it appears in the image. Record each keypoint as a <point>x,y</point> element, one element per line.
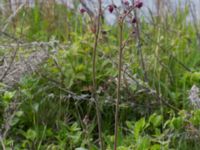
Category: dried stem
<point>97,26</point>
<point>118,83</point>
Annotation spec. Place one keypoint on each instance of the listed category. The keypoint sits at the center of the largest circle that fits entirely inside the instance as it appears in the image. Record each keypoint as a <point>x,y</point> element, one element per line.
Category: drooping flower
<point>134,20</point>
<point>138,3</point>
<point>126,2</point>
<point>111,7</point>
<point>82,10</point>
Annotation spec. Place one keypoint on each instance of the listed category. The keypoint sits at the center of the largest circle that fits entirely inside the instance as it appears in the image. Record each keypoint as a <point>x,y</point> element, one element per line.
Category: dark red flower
<point>82,10</point>
<point>134,20</point>
<point>126,2</point>
<point>110,8</point>
<point>138,4</point>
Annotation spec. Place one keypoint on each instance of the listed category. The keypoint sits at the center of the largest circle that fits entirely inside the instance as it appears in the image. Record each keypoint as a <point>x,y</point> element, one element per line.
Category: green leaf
<point>139,125</point>
<point>36,107</point>
<point>155,147</point>
<point>143,143</point>
<point>14,121</point>
<point>19,113</point>
<point>177,122</point>
<point>129,125</point>
<point>74,127</point>
<point>31,134</point>
<point>156,120</point>
<point>8,96</point>
<point>195,119</point>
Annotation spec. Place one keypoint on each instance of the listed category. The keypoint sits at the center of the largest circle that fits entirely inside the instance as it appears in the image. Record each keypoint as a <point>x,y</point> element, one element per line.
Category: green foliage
<point>56,111</point>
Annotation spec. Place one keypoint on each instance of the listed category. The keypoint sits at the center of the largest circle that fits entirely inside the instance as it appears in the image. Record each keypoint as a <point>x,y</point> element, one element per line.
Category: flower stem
<point>97,26</point>
<point>118,84</point>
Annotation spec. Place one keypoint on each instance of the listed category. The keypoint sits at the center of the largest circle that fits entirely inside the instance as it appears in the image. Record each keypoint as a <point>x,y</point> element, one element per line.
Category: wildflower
<point>134,20</point>
<point>126,2</point>
<point>111,8</point>
<point>138,4</point>
<point>82,10</point>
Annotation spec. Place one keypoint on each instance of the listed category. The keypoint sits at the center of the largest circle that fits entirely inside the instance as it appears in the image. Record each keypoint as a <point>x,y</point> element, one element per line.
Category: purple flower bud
<point>111,8</point>
<point>82,10</point>
<point>138,4</point>
<point>134,20</point>
<point>126,2</point>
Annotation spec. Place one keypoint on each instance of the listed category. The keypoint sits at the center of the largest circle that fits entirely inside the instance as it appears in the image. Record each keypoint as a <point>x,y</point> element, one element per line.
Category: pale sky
<point>147,4</point>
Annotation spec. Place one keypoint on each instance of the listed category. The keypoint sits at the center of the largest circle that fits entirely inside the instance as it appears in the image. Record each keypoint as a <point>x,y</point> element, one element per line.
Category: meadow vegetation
<point>69,101</point>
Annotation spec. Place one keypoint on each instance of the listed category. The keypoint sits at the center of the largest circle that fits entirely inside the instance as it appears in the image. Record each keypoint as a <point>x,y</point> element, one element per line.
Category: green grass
<point>54,103</point>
